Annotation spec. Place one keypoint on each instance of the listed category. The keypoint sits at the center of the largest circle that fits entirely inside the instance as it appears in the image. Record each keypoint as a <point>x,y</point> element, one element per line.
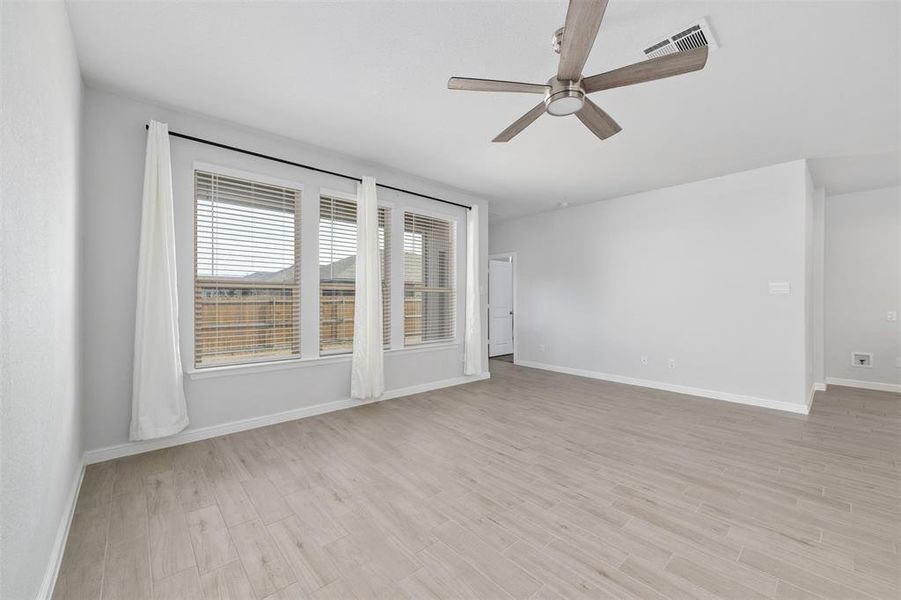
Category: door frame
<point>512,257</point>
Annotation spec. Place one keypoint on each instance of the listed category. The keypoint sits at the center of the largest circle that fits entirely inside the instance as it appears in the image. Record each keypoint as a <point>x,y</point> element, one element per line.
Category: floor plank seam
<point>105,550</point>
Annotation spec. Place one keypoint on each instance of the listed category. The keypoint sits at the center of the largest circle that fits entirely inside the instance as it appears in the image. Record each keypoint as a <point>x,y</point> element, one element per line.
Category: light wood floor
<point>531,485</point>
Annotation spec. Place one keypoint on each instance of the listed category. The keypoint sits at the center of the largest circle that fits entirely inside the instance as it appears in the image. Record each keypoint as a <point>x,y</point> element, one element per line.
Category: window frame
<point>457,262</point>
<point>311,187</point>
<point>389,270</point>
<point>219,170</point>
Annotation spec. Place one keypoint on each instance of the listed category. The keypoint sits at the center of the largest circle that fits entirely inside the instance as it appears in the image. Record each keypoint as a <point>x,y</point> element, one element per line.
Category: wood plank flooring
<point>532,485</point>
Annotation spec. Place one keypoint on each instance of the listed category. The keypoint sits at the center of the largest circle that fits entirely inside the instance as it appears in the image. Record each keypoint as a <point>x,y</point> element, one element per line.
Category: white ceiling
<point>791,80</point>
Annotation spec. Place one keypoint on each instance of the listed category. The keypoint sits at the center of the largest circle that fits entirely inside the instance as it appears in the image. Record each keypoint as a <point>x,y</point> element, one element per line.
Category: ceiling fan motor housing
<point>564,97</point>
<point>557,41</point>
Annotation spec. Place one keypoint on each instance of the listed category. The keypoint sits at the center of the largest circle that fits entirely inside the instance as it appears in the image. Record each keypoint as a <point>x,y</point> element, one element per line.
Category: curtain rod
<point>303,166</point>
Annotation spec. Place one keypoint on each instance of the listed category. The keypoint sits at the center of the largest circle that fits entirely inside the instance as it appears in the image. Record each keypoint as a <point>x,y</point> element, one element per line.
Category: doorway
<point>501,305</point>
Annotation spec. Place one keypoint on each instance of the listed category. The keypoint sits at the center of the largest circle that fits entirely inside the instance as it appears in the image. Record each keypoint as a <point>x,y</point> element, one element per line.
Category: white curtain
<point>158,399</point>
<point>472,339</point>
<point>367,378</point>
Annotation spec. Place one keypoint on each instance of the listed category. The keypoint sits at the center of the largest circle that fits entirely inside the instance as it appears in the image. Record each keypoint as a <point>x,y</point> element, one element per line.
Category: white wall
<point>678,273</point>
<point>809,263</point>
<point>114,159</point>
<point>819,288</point>
<point>863,283</point>
<point>40,108</point>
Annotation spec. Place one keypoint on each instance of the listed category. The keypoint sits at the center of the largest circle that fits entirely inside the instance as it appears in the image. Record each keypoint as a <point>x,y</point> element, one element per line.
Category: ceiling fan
<point>566,92</point>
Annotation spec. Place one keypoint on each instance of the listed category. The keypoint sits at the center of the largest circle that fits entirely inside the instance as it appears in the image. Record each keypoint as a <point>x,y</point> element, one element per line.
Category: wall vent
<point>862,359</point>
<point>693,36</point>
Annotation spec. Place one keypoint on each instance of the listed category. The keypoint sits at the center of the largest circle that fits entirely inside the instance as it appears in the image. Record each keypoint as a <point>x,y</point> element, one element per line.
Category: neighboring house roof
<point>283,276</point>
<point>344,269</point>
<point>340,270</point>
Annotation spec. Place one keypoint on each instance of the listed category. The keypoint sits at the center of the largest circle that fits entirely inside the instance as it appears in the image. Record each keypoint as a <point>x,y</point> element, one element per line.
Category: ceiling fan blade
<point>649,70</point>
<point>583,19</point>
<point>521,123</point>
<point>600,123</point>
<point>494,85</point>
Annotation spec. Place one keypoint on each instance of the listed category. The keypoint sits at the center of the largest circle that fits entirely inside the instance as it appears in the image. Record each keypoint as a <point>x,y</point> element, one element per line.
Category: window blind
<point>246,274</point>
<point>337,273</point>
<point>429,288</point>
<point>385,257</point>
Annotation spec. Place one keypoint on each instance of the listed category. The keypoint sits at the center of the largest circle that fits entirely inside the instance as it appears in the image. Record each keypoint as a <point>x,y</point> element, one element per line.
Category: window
<point>429,296</point>
<point>246,271</point>
<point>337,272</point>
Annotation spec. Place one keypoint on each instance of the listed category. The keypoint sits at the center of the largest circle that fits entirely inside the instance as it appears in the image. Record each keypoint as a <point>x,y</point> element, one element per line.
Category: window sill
<point>301,363</point>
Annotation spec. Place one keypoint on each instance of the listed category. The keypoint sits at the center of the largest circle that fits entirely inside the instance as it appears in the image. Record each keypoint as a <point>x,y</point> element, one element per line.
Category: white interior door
<point>500,307</point>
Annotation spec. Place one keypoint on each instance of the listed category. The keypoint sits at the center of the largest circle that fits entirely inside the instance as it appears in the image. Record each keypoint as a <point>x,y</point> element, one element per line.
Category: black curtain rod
<point>185,136</point>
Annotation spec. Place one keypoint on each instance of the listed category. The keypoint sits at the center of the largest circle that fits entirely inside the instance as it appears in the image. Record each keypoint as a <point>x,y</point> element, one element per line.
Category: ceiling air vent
<point>693,36</point>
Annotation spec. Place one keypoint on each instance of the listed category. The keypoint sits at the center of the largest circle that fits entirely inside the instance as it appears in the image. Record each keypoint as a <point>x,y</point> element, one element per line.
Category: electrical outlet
<point>644,360</point>
<point>542,347</point>
<point>671,363</point>
<point>891,316</point>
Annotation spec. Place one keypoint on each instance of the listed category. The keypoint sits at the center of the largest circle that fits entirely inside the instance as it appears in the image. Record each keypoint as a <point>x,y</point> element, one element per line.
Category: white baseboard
<point>817,387</point>
<point>810,396</point>
<point>203,433</point>
<point>671,387</point>
<point>62,534</point>
<point>865,385</point>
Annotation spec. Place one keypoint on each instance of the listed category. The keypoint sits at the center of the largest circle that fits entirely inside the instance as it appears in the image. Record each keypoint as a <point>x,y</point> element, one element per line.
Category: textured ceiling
<point>791,80</point>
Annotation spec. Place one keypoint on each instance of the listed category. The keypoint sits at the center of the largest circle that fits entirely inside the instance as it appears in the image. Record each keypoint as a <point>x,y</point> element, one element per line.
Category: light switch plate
<point>780,287</point>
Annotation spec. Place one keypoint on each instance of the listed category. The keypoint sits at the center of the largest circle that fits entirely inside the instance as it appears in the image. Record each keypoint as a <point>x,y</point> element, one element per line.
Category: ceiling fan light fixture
<point>564,97</point>
<point>564,103</point>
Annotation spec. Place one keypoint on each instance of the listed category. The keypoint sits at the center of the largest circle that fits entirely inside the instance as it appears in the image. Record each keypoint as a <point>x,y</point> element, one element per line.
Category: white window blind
<point>337,273</point>
<point>429,289</point>
<point>246,271</point>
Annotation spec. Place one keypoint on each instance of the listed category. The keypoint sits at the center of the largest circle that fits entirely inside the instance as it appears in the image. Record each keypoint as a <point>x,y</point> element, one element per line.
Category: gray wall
<point>863,282</point>
<point>39,262</point>
<point>114,162</point>
<point>678,273</point>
